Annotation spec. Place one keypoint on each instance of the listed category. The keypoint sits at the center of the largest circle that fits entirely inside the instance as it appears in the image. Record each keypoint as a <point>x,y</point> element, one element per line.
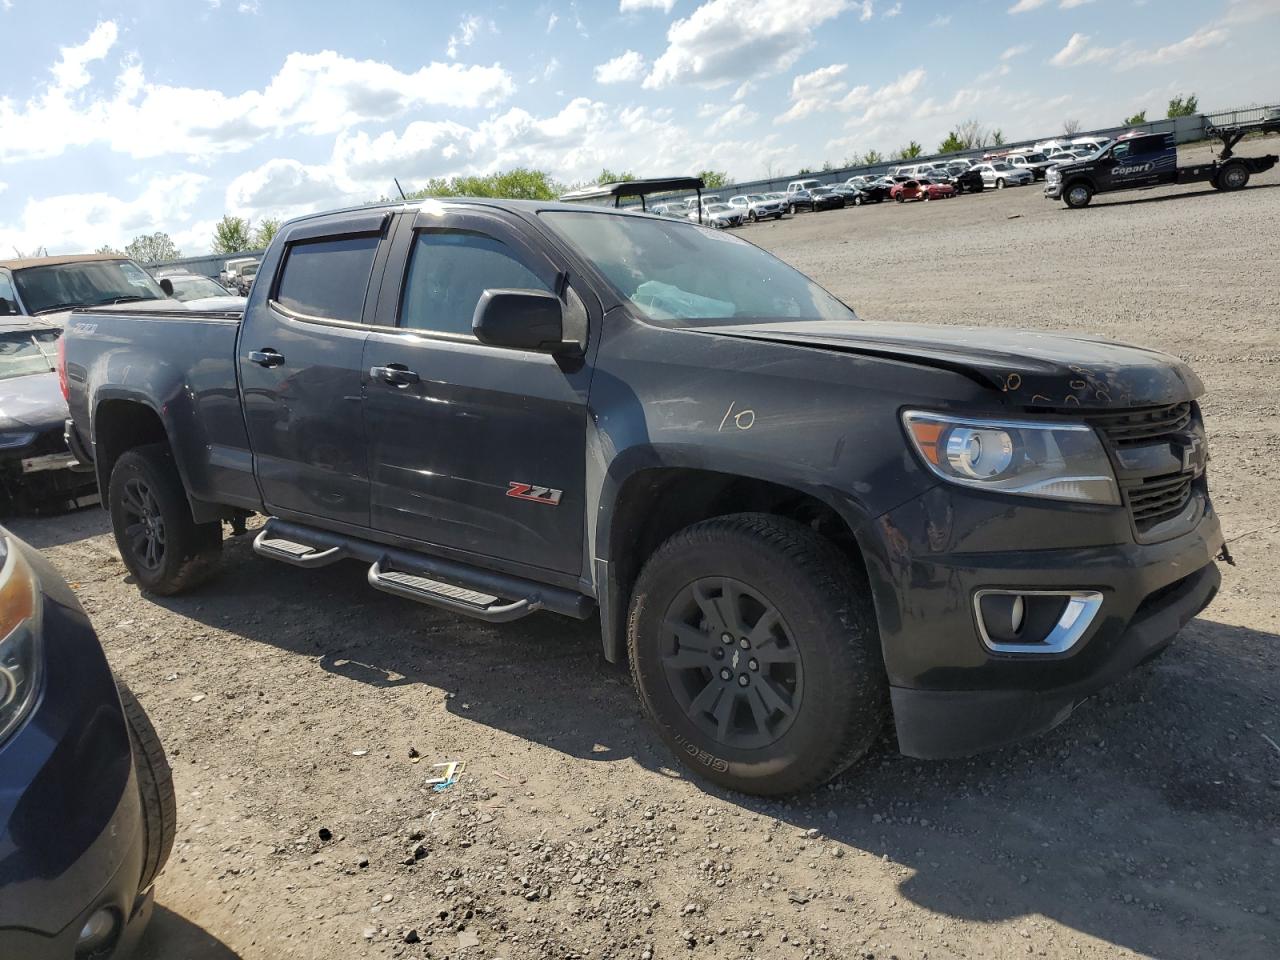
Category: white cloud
<point>744,88</point>
<point>1249,11</point>
<point>631,6</point>
<point>1202,39</point>
<point>1072,4</point>
<point>1017,51</point>
<point>1081,50</point>
<point>75,222</point>
<point>469,28</point>
<point>892,11</point>
<point>868,11</point>
<point>552,21</point>
<point>813,91</point>
<point>735,118</point>
<point>315,93</point>
<point>626,67</point>
<point>824,88</point>
<point>1022,6</point>
<point>941,20</point>
<point>729,40</point>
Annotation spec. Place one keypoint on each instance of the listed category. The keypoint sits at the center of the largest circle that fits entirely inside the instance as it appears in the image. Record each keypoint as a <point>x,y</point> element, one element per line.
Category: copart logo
<point>528,491</point>
<point>1135,168</point>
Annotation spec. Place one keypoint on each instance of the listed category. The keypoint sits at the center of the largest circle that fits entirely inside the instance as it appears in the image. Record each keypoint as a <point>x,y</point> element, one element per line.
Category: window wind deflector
<point>356,224</point>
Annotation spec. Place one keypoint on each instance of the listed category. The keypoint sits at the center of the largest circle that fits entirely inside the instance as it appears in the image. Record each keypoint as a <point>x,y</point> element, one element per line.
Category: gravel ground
<point>303,712</point>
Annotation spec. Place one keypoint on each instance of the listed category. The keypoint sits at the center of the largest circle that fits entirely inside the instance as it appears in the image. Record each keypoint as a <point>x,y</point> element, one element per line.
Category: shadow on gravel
<point>56,529</point>
<point>1211,192</point>
<point>1147,821</point>
<point>171,937</point>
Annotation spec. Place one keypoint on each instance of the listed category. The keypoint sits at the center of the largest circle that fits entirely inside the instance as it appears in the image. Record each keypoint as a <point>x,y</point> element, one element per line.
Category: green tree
<point>997,137</point>
<point>910,151</point>
<point>1187,106</point>
<point>953,144</point>
<point>518,184</point>
<point>609,176</point>
<point>109,250</point>
<point>1137,119</point>
<point>231,235</point>
<point>152,248</point>
<point>872,157</point>
<point>265,232</point>
<point>715,179</point>
<point>803,170</point>
<point>827,166</point>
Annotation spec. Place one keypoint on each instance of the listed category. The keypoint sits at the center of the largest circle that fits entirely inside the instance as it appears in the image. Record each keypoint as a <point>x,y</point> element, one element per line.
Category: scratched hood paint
<point>33,402</point>
<point>1029,367</point>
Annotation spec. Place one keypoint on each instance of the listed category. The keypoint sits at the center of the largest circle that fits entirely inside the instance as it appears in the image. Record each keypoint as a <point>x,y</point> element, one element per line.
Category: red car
<point>921,190</point>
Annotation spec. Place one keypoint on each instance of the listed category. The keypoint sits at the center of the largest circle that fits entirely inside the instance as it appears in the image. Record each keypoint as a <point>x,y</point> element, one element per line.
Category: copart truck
<point>793,524</point>
<point>1148,160</point>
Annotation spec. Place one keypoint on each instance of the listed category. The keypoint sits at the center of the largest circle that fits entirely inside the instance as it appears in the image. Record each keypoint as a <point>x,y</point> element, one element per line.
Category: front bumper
<point>951,694</point>
<point>1053,189</point>
<point>70,813</point>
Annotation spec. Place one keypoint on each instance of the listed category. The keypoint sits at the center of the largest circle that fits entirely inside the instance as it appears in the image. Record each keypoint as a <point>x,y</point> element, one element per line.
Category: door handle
<point>266,357</point>
<point>396,374</point>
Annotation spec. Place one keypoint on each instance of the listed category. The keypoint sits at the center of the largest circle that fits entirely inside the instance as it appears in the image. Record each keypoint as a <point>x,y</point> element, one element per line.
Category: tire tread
<point>155,785</point>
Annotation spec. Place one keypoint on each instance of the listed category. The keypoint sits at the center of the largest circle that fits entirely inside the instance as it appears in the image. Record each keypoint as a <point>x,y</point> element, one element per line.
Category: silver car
<point>757,206</point>
<point>718,215</point>
<point>1000,175</point>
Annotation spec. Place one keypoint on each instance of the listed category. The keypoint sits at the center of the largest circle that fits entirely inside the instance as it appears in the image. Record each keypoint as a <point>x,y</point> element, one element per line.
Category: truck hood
<point>33,402</point>
<point>1030,368</point>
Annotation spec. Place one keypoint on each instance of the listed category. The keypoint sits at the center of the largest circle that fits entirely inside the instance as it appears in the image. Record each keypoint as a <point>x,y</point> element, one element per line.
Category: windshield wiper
<point>55,308</point>
<point>126,299</point>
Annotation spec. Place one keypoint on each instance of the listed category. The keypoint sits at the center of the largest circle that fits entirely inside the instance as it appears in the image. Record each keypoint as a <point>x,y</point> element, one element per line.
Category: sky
<point>126,117</point>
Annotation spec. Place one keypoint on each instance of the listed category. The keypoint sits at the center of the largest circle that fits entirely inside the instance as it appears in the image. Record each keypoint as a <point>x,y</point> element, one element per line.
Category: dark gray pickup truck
<point>793,523</point>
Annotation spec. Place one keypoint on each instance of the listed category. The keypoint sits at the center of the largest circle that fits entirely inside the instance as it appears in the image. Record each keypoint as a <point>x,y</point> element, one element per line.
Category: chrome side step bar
<point>447,584</point>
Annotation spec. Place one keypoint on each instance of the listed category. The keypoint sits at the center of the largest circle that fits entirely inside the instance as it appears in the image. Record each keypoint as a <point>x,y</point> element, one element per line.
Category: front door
<point>473,447</point>
<point>301,371</point>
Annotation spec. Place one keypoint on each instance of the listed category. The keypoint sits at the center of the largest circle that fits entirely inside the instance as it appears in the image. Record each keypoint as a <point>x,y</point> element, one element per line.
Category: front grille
<point>1155,499</point>
<point>1131,428</point>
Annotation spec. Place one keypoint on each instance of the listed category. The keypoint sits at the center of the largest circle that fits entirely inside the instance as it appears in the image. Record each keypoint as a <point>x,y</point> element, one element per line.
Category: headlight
<point>1061,461</point>
<point>11,441</point>
<point>19,641</point>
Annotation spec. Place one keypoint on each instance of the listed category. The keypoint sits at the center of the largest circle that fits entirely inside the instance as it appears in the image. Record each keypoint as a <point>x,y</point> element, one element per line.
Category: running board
<point>471,603</point>
<point>265,544</point>
<point>448,584</point>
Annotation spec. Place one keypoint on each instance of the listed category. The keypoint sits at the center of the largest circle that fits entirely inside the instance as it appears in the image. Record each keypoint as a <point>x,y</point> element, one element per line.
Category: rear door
<point>301,369</point>
<point>475,448</point>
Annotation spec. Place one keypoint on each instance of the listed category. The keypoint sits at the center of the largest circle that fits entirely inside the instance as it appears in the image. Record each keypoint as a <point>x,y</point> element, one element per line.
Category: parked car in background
<point>719,215</point>
<point>191,286</point>
<point>922,190</point>
<point>999,175</point>
<point>853,197</point>
<point>87,809</point>
<point>873,189</point>
<point>965,179</point>
<point>36,469</point>
<point>779,196</point>
<point>238,273</point>
<point>51,287</point>
<point>756,206</point>
<point>1037,163</point>
<point>802,186</point>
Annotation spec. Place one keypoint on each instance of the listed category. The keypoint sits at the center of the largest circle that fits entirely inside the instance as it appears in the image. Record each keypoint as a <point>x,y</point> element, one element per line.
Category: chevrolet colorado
<point>792,523</point>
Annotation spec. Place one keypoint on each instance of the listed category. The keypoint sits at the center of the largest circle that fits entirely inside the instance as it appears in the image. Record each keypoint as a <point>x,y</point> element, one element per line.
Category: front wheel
<point>857,201</point>
<point>1078,195</point>
<point>163,547</point>
<point>791,209</point>
<point>755,651</point>
<point>899,198</point>
<point>1000,184</point>
<point>751,216</point>
<point>155,785</point>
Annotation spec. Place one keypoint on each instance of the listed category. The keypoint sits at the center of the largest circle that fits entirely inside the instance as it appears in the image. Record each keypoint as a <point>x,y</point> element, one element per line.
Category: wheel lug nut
<point>725,673</point>
<point>744,643</point>
<point>743,679</point>
<point>726,638</point>
<point>753,664</point>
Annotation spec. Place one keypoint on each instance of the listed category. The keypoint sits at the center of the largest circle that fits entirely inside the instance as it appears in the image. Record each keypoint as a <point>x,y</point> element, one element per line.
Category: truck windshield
<point>63,286</point>
<point>24,352</point>
<point>686,275</point>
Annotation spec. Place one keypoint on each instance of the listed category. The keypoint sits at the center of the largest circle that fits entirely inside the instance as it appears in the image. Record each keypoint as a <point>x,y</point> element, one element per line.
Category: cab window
<point>327,278</point>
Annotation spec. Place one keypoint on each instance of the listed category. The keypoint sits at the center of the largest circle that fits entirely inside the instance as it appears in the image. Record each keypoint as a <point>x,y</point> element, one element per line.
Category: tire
<point>163,547</point>
<point>1000,184</point>
<point>791,209</point>
<point>751,216</point>
<point>899,198</point>
<point>1233,176</point>
<point>1077,195</point>
<point>827,670</point>
<point>926,196</point>
<point>857,201</point>
<point>155,785</point>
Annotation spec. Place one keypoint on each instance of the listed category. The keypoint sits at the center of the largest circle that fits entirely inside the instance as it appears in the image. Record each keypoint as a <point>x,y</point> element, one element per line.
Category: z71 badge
<point>528,491</point>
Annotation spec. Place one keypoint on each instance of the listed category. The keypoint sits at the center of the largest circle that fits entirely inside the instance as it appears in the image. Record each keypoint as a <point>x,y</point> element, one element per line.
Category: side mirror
<point>521,320</point>
<point>167,286</point>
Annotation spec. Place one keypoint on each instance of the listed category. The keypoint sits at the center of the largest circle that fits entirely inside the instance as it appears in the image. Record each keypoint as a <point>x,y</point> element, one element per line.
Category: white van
<point>797,186</point>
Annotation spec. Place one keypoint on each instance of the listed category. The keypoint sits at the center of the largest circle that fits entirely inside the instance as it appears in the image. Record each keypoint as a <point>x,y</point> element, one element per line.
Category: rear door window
<point>328,278</point>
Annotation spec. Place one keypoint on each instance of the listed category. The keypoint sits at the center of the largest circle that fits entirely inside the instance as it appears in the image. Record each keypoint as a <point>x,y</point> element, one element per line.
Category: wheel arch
<point>644,506</point>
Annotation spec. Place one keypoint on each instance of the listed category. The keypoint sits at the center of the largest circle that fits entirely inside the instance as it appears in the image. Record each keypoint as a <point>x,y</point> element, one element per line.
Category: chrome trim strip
<point>1081,610</point>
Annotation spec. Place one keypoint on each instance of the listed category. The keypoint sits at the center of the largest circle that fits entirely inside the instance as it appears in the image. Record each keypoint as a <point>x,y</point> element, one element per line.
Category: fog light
<point>1034,621</point>
<point>98,932</point>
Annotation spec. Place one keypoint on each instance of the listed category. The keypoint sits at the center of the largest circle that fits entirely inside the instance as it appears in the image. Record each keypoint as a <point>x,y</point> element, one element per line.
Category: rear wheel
<point>1000,184</point>
<point>1234,176</point>
<point>164,548</point>
<point>1078,195</point>
<point>751,216</point>
<point>857,201</point>
<point>155,785</point>
<point>754,648</point>
<point>791,209</point>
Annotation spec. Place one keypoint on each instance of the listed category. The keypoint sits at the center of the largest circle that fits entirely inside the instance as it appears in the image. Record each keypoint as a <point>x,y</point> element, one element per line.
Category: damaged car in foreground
<point>794,525</point>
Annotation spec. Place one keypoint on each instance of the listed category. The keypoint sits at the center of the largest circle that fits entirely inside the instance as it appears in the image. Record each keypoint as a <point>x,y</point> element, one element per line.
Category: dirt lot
<point>1149,824</point>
